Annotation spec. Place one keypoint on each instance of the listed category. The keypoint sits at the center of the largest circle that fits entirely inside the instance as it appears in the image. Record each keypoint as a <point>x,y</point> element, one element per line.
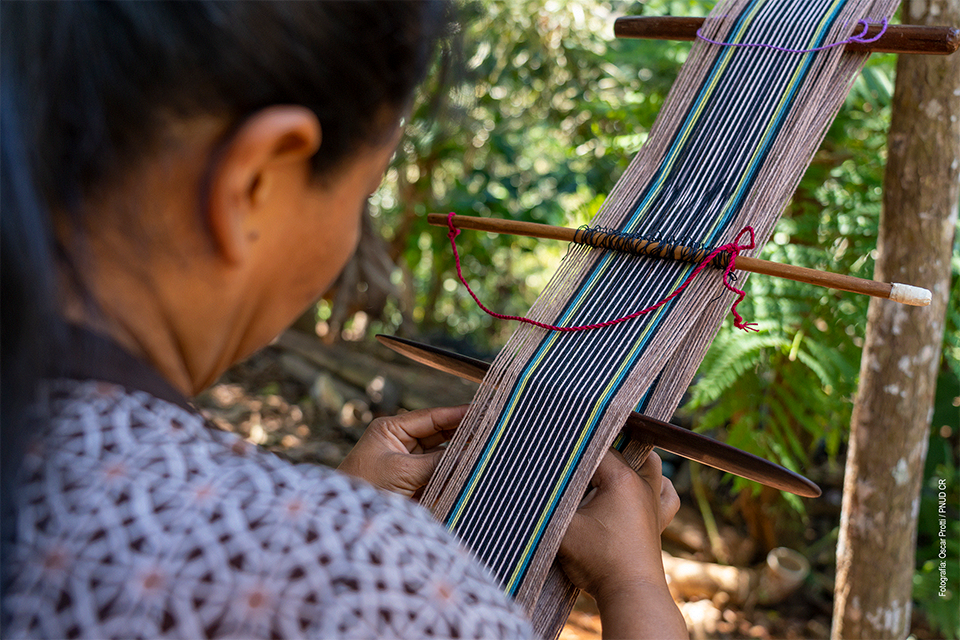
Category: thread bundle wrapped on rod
<point>604,239</point>
<point>730,145</point>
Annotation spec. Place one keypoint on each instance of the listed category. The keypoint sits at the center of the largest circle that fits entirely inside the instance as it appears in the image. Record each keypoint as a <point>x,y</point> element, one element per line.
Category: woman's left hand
<point>400,453</point>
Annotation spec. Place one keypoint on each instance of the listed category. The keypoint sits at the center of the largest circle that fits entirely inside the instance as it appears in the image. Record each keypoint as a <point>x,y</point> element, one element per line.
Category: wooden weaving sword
<point>644,429</point>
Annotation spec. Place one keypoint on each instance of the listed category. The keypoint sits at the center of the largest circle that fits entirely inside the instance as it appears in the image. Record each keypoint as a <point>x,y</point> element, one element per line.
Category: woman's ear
<point>246,177</point>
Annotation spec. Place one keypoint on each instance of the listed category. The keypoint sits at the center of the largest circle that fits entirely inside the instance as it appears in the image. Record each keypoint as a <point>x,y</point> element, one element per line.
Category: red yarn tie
<point>734,248</point>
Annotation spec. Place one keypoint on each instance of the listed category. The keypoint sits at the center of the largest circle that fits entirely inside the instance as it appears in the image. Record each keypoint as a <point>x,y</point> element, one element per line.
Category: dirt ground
<point>310,402</point>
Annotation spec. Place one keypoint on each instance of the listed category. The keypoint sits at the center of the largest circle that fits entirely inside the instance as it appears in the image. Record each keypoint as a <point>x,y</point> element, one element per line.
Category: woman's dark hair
<point>89,87</point>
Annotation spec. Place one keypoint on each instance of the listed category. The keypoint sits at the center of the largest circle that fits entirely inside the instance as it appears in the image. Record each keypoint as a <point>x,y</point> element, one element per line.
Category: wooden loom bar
<point>905,294</point>
<point>899,38</point>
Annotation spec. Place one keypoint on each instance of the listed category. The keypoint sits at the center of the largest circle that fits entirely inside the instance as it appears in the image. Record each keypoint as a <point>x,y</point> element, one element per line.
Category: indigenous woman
<point>179,182</point>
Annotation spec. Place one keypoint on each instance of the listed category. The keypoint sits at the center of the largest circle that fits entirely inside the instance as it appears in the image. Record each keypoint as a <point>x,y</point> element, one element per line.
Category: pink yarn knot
<point>454,232</point>
<point>734,248</point>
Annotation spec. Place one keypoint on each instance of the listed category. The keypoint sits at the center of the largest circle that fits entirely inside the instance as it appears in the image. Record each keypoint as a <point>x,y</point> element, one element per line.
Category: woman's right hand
<point>612,549</point>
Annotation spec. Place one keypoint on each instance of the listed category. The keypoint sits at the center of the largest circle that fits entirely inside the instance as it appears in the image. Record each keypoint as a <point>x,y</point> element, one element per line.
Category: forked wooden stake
<point>899,38</point>
<point>903,293</point>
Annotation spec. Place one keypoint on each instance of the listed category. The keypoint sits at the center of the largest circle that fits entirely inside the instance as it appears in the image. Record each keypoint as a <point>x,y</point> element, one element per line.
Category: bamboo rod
<point>899,38</point>
<point>905,294</point>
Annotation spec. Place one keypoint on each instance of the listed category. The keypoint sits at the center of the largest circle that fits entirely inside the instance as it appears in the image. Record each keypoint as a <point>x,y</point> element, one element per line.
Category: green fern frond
<point>725,364</point>
<point>786,412</point>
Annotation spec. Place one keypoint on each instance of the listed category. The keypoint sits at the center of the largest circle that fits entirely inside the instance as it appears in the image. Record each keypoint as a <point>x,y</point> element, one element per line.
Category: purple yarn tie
<point>860,38</point>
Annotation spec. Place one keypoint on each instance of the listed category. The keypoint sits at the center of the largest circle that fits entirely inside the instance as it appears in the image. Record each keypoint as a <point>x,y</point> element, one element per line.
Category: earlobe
<point>247,175</point>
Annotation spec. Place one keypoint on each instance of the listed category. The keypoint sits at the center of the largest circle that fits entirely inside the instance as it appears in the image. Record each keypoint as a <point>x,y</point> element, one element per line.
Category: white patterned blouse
<point>136,519</point>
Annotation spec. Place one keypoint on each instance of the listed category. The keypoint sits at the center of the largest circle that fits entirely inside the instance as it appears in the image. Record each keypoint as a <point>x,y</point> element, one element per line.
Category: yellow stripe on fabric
<point>592,418</point>
<point>511,407</point>
<point>784,96</point>
<point>693,118</point>
<point>572,459</point>
<point>452,521</point>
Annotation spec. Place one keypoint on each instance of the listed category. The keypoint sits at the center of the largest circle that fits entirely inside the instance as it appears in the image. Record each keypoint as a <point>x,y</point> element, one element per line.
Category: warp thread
<point>860,38</point>
<point>733,249</point>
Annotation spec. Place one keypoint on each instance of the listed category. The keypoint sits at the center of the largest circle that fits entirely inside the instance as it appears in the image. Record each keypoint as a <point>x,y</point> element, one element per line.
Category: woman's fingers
<point>614,537</point>
<point>669,503</point>
<point>420,468</point>
<point>612,549</point>
<point>406,473</point>
<point>651,472</point>
<point>610,471</point>
<point>400,453</point>
<point>424,428</point>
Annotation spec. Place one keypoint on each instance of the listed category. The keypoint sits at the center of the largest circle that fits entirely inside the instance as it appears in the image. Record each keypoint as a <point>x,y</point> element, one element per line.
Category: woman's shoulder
<point>150,518</point>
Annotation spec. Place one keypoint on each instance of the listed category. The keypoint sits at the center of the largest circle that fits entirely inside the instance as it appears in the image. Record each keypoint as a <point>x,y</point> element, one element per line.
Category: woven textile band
<point>736,133</point>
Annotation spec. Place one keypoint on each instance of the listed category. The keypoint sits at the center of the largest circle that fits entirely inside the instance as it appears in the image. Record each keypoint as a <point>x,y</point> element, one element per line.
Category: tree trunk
<point>901,356</point>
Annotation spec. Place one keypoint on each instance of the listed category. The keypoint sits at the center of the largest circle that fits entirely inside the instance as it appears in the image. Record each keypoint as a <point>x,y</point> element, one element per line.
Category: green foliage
<point>951,343</point>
